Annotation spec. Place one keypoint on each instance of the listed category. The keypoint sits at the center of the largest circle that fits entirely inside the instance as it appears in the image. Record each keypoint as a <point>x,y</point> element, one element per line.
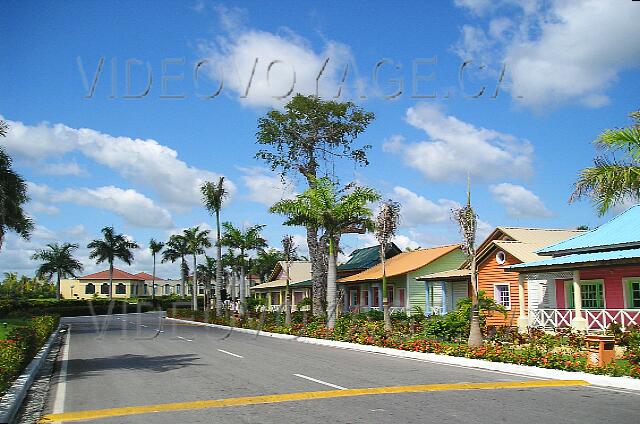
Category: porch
<point>596,320</point>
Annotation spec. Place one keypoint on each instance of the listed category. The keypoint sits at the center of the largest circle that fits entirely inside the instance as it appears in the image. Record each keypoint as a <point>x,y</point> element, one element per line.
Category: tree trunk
<point>218,290</point>
<point>110,280</point>
<point>183,278</point>
<point>287,301</point>
<point>385,296</point>
<point>242,284</point>
<point>318,271</point>
<point>194,289</point>
<point>475,335</point>
<point>331,287</point>
<point>153,283</point>
<point>58,286</point>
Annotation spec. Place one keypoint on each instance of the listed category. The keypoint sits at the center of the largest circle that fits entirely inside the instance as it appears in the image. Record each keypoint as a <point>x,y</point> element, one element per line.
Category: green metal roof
<point>305,283</point>
<point>367,257</point>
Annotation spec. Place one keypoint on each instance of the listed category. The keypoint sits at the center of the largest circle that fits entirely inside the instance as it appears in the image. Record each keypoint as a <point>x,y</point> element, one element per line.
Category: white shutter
<point>533,292</point>
<point>460,291</point>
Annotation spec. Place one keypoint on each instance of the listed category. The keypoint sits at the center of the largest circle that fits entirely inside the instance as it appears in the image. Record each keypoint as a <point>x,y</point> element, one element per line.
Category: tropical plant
<point>289,248</point>
<point>231,263</point>
<point>112,246</point>
<point>244,241</point>
<point>207,273</point>
<point>334,211</point>
<point>613,181</point>
<point>386,225</point>
<point>467,221</point>
<point>311,133</point>
<point>197,240</point>
<point>13,196</point>
<point>57,259</point>
<point>154,247</point>
<point>176,248</point>
<point>24,287</point>
<point>265,261</point>
<point>213,196</point>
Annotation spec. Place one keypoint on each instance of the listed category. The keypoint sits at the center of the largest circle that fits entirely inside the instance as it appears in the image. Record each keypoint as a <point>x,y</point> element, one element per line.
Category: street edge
<point>12,400</point>
<point>525,370</point>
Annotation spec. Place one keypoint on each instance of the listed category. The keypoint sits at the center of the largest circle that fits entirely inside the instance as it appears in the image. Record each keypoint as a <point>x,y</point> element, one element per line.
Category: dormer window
<point>501,257</point>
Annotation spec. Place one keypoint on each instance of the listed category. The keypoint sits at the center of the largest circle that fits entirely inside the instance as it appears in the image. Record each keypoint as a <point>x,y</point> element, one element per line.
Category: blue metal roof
<point>579,258</point>
<point>621,231</point>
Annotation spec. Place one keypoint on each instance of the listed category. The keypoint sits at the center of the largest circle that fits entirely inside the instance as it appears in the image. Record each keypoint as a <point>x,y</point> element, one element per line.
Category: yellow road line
<point>290,397</point>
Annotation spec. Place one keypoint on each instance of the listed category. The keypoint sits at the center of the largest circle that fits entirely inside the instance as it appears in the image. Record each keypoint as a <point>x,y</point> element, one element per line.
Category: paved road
<point>124,361</point>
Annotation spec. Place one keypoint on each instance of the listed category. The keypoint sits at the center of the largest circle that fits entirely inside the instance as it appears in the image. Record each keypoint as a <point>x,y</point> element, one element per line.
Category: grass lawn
<point>6,324</point>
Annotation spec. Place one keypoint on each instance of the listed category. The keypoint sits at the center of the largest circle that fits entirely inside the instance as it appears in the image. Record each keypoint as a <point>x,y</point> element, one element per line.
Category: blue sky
<point>135,163</point>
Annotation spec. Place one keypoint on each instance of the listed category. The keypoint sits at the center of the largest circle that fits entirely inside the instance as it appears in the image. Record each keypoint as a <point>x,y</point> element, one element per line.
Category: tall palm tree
<point>213,196</point>
<point>155,247</point>
<point>176,249</point>
<point>336,212</point>
<point>231,262</point>
<point>613,181</point>
<point>207,272</point>
<point>244,241</point>
<point>112,246</point>
<point>13,195</point>
<point>197,240</point>
<point>57,259</point>
<point>386,225</point>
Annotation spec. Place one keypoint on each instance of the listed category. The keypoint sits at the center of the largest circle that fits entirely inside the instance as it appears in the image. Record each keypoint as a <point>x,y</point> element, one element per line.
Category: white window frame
<point>626,290</point>
<point>496,296</point>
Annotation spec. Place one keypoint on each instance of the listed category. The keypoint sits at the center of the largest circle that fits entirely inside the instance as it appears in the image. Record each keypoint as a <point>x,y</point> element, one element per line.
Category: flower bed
<point>563,351</point>
<point>21,345</point>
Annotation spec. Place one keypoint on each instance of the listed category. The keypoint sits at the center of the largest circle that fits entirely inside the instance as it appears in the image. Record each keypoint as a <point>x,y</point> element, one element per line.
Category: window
<point>177,288</point>
<point>634,293</point>
<point>145,289</point>
<point>89,289</point>
<point>275,298</point>
<point>502,295</point>
<point>104,288</point>
<point>401,297</point>
<point>390,294</point>
<point>121,289</point>
<point>365,297</point>
<point>134,290</point>
<point>353,297</point>
<point>200,289</point>
<point>376,297</point>
<point>501,257</point>
<point>592,294</point>
<point>297,297</point>
<point>167,289</point>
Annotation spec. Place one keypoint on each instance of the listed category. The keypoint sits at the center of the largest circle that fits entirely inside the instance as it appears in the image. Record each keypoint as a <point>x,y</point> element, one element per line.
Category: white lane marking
<point>61,390</point>
<point>180,337</point>
<point>229,353</point>
<point>159,330</point>
<point>315,380</point>
<point>143,325</point>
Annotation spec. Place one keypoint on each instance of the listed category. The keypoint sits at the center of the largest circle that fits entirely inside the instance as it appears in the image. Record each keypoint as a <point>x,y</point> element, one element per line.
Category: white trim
<point>508,308</point>
<point>503,259</point>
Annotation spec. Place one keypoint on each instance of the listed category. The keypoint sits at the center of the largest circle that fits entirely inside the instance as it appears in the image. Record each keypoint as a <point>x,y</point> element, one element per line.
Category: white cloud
<point>39,207</point>
<point>135,208</point>
<point>295,64</point>
<point>455,148</point>
<point>418,210</point>
<point>518,201</point>
<point>266,188</point>
<point>145,162</point>
<point>61,168</point>
<point>557,51</point>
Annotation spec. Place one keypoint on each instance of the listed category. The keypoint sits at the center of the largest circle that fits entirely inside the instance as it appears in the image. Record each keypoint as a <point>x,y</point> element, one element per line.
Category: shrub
<point>12,359</point>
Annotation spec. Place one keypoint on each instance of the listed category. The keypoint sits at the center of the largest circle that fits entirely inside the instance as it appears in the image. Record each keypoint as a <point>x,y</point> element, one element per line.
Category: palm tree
<point>111,247</point>
<point>231,262</point>
<point>265,261</point>
<point>289,249</point>
<point>207,272</point>
<point>244,241</point>
<point>386,225</point>
<point>613,181</point>
<point>213,196</point>
<point>336,212</point>
<point>468,223</point>
<point>176,248</point>
<point>197,240</point>
<point>155,247</point>
<point>13,195</point>
<point>58,259</point>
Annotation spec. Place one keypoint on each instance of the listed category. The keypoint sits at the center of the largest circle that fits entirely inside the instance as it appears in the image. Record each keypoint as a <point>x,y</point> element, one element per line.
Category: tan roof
<point>451,274</point>
<point>539,236</point>
<point>270,285</point>
<point>298,271</point>
<point>402,263</point>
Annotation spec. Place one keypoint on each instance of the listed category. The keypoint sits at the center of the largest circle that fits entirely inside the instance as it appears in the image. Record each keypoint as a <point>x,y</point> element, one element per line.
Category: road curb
<point>525,370</point>
<point>12,400</point>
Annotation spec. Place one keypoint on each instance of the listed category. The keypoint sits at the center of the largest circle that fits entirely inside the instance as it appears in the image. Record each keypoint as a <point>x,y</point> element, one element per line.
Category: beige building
<point>274,290</point>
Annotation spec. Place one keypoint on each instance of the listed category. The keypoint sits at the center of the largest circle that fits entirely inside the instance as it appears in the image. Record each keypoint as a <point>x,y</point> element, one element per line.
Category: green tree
<point>305,140</point>
<point>13,196</point>
<point>244,241</point>
<point>265,261</point>
<point>154,247</point>
<point>613,181</point>
<point>213,197</point>
<point>197,240</point>
<point>112,246</point>
<point>57,259</point>
<point>207,273</point>
<point>231,262</point>
<point>289,249</point>
<point>386,225</point>
<point>176,248</point>
<point>334,211</point>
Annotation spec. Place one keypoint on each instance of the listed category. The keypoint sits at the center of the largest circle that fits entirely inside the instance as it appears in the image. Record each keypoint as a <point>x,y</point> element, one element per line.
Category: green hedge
<point>21,345</point>
<point>65,307</point>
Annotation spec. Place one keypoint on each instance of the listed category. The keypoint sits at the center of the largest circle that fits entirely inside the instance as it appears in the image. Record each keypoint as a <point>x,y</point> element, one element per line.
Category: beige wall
<point>79,288</point>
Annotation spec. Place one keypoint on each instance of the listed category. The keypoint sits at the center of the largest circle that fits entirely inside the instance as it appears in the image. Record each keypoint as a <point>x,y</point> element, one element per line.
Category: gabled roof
<point>522,243</point>
<point>298,270</point>
<point>367,257</point>
<point>402,263</point>
<point>623,231</point>
<point>118,274</point>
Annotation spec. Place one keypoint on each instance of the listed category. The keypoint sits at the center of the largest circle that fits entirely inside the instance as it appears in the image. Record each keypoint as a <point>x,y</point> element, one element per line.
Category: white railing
<point>597,319</point>
<point>392,309</point>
